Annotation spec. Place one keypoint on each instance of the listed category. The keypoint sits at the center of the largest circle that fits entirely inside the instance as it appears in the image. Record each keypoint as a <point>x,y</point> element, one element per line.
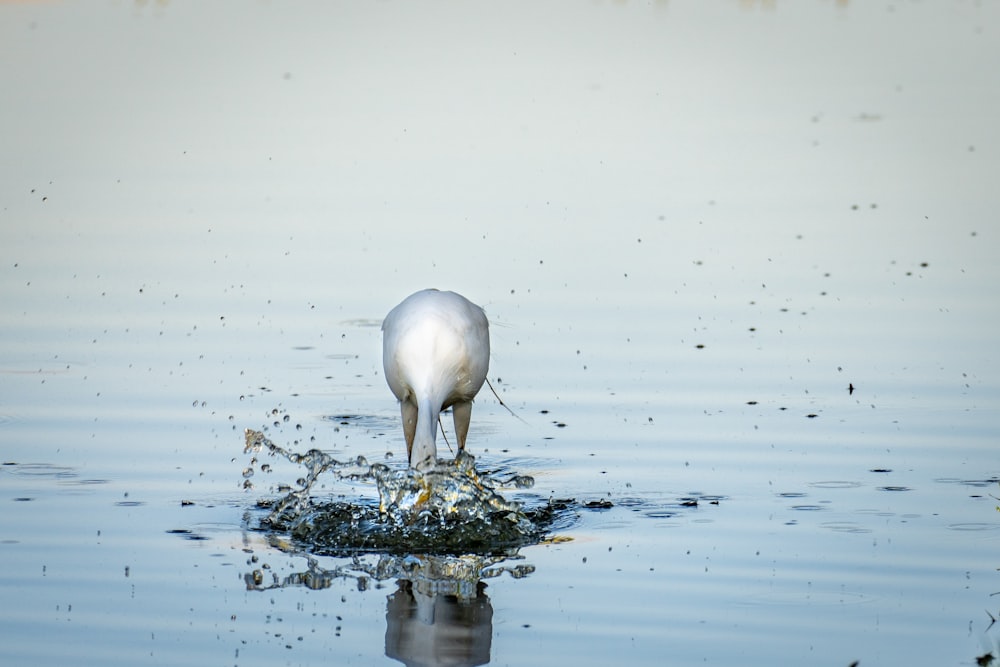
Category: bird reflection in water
<point>424,629</point>
<point>438,615</point>
<point>434,621</point>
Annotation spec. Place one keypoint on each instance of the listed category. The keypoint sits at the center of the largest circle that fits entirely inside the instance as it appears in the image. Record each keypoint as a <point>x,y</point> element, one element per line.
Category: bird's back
<point>436,343</point>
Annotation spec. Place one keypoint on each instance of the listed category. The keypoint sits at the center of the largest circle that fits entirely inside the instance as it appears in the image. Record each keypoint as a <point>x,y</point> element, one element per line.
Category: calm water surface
<point>694,226</point>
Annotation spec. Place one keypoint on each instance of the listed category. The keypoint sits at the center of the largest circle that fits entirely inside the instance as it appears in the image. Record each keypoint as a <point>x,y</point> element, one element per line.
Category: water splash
<point>458,576</point>
<point>449,509</point>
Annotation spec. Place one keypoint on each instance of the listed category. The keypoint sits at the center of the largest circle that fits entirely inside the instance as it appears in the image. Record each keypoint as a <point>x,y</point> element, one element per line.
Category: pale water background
<point>692,224</point>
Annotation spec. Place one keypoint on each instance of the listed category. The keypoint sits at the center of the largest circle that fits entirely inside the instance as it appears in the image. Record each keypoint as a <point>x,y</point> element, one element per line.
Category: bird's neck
<point>424,453</point>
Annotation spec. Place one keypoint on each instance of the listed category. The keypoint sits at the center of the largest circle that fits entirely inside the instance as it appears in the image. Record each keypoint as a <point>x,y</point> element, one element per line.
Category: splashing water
<point>458,576</point>
<point>451,508</point>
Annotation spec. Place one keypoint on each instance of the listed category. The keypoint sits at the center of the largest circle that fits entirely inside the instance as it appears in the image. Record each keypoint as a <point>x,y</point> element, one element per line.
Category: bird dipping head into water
<point>435,353</point>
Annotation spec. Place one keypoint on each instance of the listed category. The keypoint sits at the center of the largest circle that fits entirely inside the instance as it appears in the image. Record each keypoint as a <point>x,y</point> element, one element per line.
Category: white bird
<point>435,353</point>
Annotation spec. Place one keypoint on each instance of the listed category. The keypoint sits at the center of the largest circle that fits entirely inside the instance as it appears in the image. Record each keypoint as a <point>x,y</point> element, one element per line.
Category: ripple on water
<point>41,470</point>
<point>370,422</point>
<point>973,526</point>
<point>845,527</point>
<point>812,598</point>
<point>187,534</point>
<point>980,483</point>
<point>835,484</point>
